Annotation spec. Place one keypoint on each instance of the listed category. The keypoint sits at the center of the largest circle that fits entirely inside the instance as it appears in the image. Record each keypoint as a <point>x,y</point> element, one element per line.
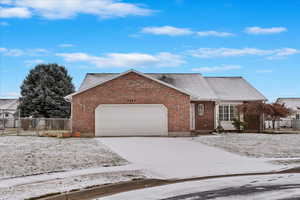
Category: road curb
<point>115,188</point>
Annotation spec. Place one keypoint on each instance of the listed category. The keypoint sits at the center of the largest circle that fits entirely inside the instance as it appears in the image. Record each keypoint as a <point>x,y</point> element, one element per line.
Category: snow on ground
<point>13,182</point>
<point>25,156</point>
<point>256,145</point>
<point>246,188</point>
<point>35,166</point>
<point>183,157</point>
<point>63,184</point>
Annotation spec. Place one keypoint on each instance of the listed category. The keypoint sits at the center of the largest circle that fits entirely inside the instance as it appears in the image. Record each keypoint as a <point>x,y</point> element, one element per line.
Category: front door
<point>204,115</point>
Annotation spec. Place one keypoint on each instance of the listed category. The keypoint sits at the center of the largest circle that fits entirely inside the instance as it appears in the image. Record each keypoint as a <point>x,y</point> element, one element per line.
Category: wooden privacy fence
<point>33,126</point>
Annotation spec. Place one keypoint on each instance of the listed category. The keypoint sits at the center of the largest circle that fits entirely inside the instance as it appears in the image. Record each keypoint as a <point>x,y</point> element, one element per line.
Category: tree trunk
<point>273,123</point>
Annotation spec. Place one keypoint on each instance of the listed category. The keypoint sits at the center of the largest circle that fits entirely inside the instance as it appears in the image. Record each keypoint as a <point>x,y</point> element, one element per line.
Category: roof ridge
<point>288,98</point>
<point>223,77</point>
<point>148,73</point>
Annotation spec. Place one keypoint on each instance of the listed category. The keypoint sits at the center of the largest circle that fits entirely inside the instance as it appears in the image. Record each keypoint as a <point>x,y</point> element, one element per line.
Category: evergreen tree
<point>43,92</point>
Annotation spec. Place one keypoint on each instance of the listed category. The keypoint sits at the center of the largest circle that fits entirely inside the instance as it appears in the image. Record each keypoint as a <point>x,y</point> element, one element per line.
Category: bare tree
<point>278,111</point>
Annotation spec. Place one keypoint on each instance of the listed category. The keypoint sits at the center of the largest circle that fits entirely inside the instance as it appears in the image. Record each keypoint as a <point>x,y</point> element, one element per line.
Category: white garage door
<point>131,120</point>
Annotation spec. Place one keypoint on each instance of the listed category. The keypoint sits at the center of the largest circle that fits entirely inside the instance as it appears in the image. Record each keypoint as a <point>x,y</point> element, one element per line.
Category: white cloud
<point>66,45</point>
<point>255,30</point>
<point>6,1</point>
<point>11,52</point>
<point>4,24</point>
<point>16,12</point>
<point>264,71</point>
<point>2,49</point>
<point>36,52</point>
<point>282,53</point>
<point>228,52</point>
<point>167,30</point>
<point>217,68</point>
<point>214,33</point>
<point>62,9</point>
<point>175,31</point>
<point>34,62</point>
<point>21,52</point>
<point>163,59</point>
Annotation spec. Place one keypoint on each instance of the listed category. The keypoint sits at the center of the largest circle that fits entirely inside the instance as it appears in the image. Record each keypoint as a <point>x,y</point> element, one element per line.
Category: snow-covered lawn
<point>62,184</point>
<point>283,186</point>
<point>35,166</point>
<point>256,145</point>
<point>25,156</point>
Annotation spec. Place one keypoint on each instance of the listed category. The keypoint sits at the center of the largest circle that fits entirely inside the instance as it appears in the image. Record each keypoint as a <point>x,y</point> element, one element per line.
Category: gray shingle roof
<point>193,83</point>
<point>9,104</point>
<point>234,89</point>
<point>200,88</point>
<point>293,103</point>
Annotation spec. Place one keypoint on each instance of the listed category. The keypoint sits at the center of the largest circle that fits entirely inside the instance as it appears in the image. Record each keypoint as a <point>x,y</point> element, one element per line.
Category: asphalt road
<point>245,190</point>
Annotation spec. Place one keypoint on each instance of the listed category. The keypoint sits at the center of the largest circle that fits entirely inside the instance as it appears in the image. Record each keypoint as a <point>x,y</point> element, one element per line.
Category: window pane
<point>200,109</point>
<point>231,116</point>
<point>221,113</point>
<point>226,113</point>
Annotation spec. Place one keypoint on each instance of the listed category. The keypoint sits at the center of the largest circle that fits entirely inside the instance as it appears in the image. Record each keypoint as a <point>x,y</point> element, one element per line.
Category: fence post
<point>2,123</point>
<point>37,126</point>
<point>19,123</point>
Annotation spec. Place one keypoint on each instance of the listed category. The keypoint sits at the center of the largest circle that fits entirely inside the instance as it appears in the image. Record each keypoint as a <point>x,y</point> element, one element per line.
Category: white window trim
<point>229,113</point>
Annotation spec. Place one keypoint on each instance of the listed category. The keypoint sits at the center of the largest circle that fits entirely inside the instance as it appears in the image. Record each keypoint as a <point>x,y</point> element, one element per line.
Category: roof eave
<point>243,99</point>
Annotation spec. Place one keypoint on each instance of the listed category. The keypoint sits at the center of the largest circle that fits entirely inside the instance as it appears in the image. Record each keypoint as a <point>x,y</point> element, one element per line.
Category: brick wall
<point>130,89</point>
<point>254,122</point>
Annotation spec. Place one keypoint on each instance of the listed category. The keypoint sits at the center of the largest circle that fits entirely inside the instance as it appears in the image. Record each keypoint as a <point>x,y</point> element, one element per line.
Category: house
<point>294,105</point>
<point>8,109</point>
<point>151,104</point>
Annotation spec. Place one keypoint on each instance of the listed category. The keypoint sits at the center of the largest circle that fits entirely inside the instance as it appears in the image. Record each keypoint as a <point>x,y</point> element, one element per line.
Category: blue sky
<point>257,39</point>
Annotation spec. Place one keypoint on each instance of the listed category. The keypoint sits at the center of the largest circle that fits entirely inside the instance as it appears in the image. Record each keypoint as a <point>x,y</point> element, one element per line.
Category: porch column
<point>192,117</point>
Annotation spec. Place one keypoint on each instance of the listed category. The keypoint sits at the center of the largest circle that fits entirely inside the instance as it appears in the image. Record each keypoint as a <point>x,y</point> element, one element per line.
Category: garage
<point>131,120</point>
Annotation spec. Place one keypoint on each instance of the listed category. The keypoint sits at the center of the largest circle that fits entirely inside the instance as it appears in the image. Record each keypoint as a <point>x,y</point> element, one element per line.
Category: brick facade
<point>207,120</point>
<point>254,122</point>
<point>130,88</point>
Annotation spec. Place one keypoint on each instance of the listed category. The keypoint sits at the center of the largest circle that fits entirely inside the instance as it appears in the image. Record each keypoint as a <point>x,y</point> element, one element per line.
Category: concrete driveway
<point>182,157</point>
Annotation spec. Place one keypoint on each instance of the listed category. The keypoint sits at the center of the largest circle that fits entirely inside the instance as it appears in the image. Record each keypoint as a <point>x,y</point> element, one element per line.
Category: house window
<point>297,116</point>
<point>200,108</point>
<point>227,112</point>
<point>6,115</point>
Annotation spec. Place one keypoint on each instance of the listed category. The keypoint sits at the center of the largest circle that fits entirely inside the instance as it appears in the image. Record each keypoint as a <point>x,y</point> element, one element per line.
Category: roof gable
<point>9,104</point>
<point>293,103</point>
<point>115,76</point>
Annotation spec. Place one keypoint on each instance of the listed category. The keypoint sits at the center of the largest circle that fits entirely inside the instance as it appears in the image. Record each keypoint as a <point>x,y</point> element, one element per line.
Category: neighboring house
<point>170,104</point>
<point>294,105</point>
<point>8,108</point>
